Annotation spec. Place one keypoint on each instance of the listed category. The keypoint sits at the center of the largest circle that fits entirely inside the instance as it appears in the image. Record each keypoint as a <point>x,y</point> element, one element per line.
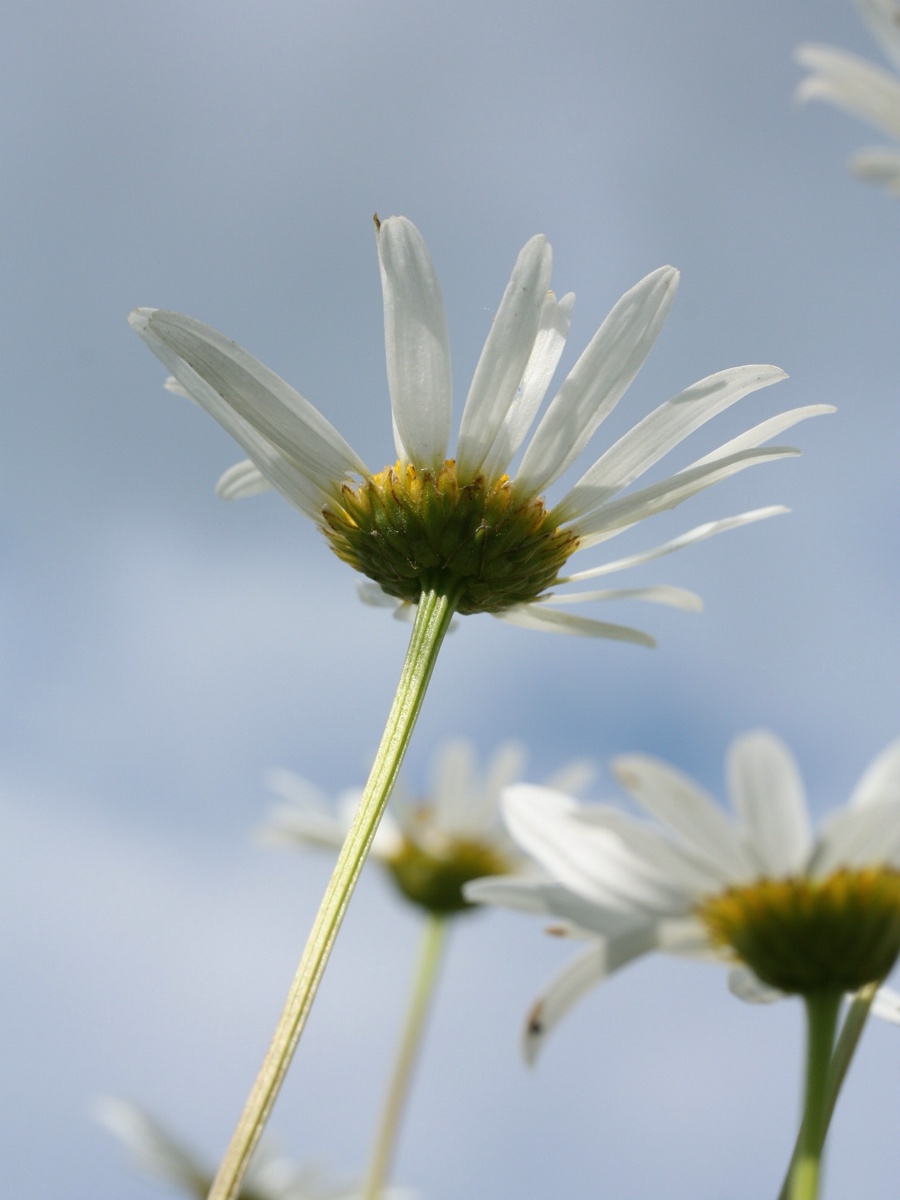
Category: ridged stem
<point>433,616</point>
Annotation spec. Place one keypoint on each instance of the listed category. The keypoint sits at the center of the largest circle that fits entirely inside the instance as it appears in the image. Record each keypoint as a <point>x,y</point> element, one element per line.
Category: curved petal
<point>241,480</point>
<point>548,347</point>
<point>591,967</point>
<point>530,616</point>
<point>768,795</point>
<point>305,814</point>
<point>886,1005</point>
<point>593,861</point>
<point>660,593</point>
<point>659,432</point>
<point>598,380</point>
<point>698,534</point>
<point>216,372</point>
<point>883,19</point>
<point>669,493</point>
<point>504,359</point>
<point>684,807</point>
<point>879,165</point>
<point>867,835</point>
<point>764,432</point>
<point>417,345</point>
<point>851,83</point>
<point>881,779</point>
<point>745,985</point>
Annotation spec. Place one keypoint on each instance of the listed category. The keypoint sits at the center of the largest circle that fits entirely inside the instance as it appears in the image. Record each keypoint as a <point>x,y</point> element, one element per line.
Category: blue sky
<point>163,649</point>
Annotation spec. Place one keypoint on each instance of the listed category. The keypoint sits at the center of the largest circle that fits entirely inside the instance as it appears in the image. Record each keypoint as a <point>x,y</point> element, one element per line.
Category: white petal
<point>305,816</point>
<point>851,83</point>
<point>881,780</point>
<point>768,795</point>
<point>879,165</point>
<point>684,807</point>
<point>867,835</point>
<point>417,344</point>
<point>660,431</point>
<point>591,967</point>
<point>530,616</point>
<point>886,1005</point>
<point>572,915</point>
<point>698,534</point>
<point>216,371</point>
<point>504,359</point>
<point>744,984</point>
<point>765,431</point>
<point>677,597</point>
<point>669,493</point>
<point>241,480</point>
<point>592,860</point>
<point>598,380</point>
<point>683,872</point>
<point>545,356</point>
<point>155,1150</point>
<point>883,19</point>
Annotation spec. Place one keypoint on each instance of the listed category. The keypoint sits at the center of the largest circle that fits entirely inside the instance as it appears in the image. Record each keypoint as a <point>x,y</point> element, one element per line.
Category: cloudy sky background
<point>162,649</point>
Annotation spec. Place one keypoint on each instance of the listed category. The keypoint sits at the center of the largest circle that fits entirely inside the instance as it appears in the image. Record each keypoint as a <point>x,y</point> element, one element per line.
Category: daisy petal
<point>669,493</point>
<point>417,344</point>
<point>504,359</point>
<point>743,983</point>
<point>886,1005</point>
<point>213,369</point>
<point>768,795</point>
<point>548,347</point>
<point>593,965</point>
<point>866,835</point>
<point>241,480</point>
<point>852,83</point>
<point>530,616</point>
<point>662,430</point>
<point>878,165</point>
<point>592,860</point>
<point>765,431</point>
<point>698,534</point>
<point>677,597</point>
<point>684,807</point>
<point>881,781</point>
<point>598,380</point>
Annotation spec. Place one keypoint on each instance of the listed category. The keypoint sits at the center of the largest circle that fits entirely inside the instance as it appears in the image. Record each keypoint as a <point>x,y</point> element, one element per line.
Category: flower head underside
<point>790,910</point>
<point>464,524</point>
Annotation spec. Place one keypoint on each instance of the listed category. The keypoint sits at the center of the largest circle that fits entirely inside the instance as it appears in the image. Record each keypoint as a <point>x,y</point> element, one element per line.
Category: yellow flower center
<point>805,935</point>
<point>419,530</point>
<point>433,876</point>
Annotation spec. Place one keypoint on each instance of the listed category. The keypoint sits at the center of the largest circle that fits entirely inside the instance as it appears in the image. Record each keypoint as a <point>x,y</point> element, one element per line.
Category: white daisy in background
<point>792,911</point>
<point>460,527</point>
<point>430,847</point>
<point>863,89</point>
<point>161,1155</point>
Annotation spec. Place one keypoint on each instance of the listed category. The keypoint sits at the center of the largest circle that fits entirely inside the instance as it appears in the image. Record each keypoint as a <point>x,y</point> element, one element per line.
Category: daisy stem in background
<point>822,1010</point>
<point>433,615</point>
<point>433,941</point>
<point>847,1041</point>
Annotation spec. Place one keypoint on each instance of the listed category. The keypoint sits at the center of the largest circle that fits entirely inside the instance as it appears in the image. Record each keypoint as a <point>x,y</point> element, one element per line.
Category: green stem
<point>410,1041</point>
<point>822,1010</point>
<point>433,617</point>
<point>845,1048</point>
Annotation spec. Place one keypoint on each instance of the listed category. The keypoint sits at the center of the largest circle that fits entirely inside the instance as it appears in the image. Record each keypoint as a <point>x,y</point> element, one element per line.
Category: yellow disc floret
<point>430,867</point>
<point>420,530</point>
<point>806,935</point>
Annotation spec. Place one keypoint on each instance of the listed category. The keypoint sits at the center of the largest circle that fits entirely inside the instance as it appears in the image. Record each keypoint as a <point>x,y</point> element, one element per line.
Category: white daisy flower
<point>161,1155</point>
<point>460,526</point>
<point>863,89</point>
<point>429,847</point>
<point>793,911</point>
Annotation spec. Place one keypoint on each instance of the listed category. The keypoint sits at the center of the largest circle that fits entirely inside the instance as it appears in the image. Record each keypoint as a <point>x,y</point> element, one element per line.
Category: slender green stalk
<point>845,1048</point>
<point>822,1010</point>
<point>433,617</point>
<point>430,956</point>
